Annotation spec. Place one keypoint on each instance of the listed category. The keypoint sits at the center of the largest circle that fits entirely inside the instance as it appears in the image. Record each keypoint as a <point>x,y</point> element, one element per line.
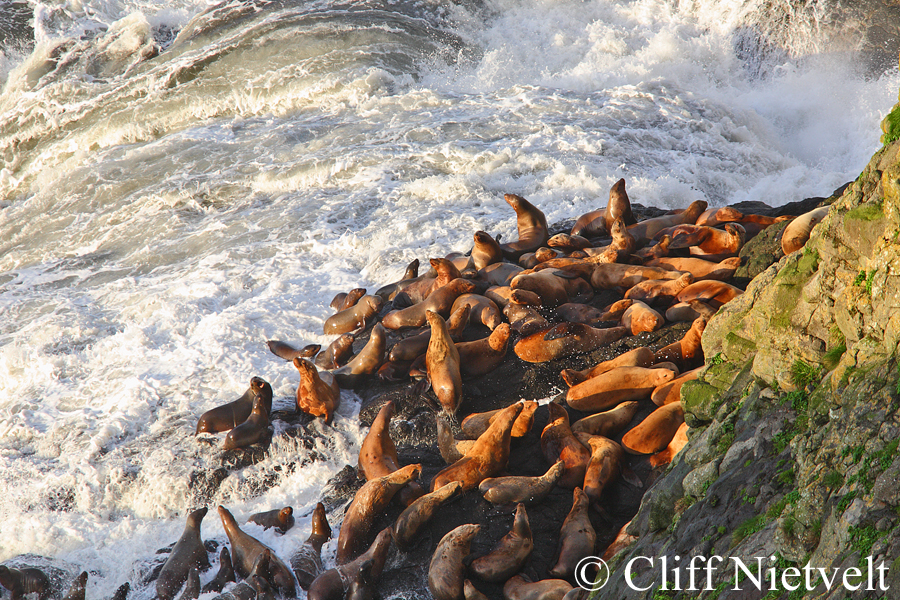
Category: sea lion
<point>470,592</point>
<point>445,272</point>
<point>410,348</point>
<point>369,359</point>
<point>528,261</point>
<point>442,365</point>
<point>607,423</point>
<point>576,536</point>
<point>446,571</point>
<point>559,443</point>
<point>306,562</point>
<point>658,250</point>
<point>499,274</point>
<point>510,553</point>
<point>519,588</point>
<point>362,587</point>
<point>228,416</point>
<point>388,292</point>
<point>532,226</point>
<point>358,316</point>
<point>486,251</point>
<point>671,391</point>
<point>701,269</point>
<point>565,242</point>
<point>608,276</point>
<point>245,550</point>
<point>369,502</point>
<point>483,310</point>
<point>288,352</point>
<point>565,339</point>
<point>462,262</point>
<point>664,457</point>
<point>188,552</point>
<point>281,519</point>
<point>618,207</point>
<point>576,312</point>
<point>337,353</point>
<point>76,590</point>
<point>546,284</point>
<point>714,293</point>
<point>712,217</point>
<point>524,297</point>
<point>622,541</point>
<point>686,353</point>
<point>689,311</point>
<point>251,431</point>
<point>254,586</point>
<point>709,241</point>
<point>500,294</point>
<point>616,386</point>
<point>223,575</point>
<point>639,357</point>
<point>447,445</point>
<point>476,424</point>
<point>592,224</point>
<point>517,488</point>
<point>797,233</point>
<point>192,587</point>
<point>441,301</point>
<point>616,310</point>
<point>21,582</point>
<point>655,432</point>
<point>349,300</point>
<point>378,454</point>
<point>525,320</point>
<point>606,456</point>
<point>488,455</point>
<point>640,318</point>
<point>659,292</point>
<point>646,230</point>
<point>417,514</point>
<point>318,393</point>
<point>121,592</point>
<point>333,584</point>
<point>483,356</point>
<point>543,254</point>
<point>623,242</point>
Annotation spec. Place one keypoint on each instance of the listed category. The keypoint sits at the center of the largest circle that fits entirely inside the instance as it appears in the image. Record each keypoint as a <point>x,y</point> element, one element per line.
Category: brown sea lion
<point>606,456</point>
<point>518,488</point>
<point>76,590</point>
<point>447,445</point>
<point>470,592</point>
<point>441,301</point>
<point>251,431</point>
<point>306,562</point>
<point>21,582</point>
<point>524,297</point>
<point>288,352</point>
<point>192,587</point>
<point>658,250</point>
<point>369,359</point>
<point>499,294</point>
<point>337,353</point>
<point>618,207</point>
<point>646,230</point>
<point>607,423</point>
<point>664,457</point>
<point>348,300</point>
<point>659,292</point>
<point>616,386</point>
<point>655,432</point>
<point>573,267</point>
<point>689,311</point>
<point>712,217</point>
<point>476,424</point>
<point>640,318</point>
<point>446,572</point>
<point>510,553</point>
<point>228,416</point>
<point>623,242</point>
<point>188,553</point>
<point>546,284</point>
<point>565,242</point>
<point>486,250</point>
<point>543,254</point>
<point>686,353</point>
<point>616,310</point>
<point>359,315</point>
<point>623,540</point>
<point>334,584</point>
<point>388,292</point>
<point>245,550</point>
<point>559,443</point>
<point>483,356</point>
<point>224,575</point>
<point>565,339</point>
<point>362,586</point>
<point>639,357</point>
<point>525,320</point>
<point>442,365</point>
<point>445,272</point>
<point>520,588</point>
<point>532,226</point>
<point>369,502</point>
<point>282,519</point>
<point>671,391</point>
<point>575,312</point>
<point>499,274</point>
<point>608,276</point>
<point>701,269</point>
<point>483,310</point>
<point>378,455</point>
<point>417,514</point>
<point>577,537</point>
<point>409,349</point>
<point>488,455</point>
<point>709,241</point>
<point>318,393</point>
<point>797,233</point>
<point>592,224</point>
<point>714,293</point>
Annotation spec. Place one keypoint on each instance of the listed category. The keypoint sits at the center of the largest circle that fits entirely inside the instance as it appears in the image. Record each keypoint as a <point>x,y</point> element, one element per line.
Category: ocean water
<point>182,180</point>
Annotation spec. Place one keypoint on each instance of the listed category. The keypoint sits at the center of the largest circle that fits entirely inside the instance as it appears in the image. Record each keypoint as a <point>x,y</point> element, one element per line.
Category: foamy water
<point>178,187</point>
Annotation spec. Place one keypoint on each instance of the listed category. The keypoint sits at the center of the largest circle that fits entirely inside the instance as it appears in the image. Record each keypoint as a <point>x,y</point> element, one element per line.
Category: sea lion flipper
<point>631,477</point>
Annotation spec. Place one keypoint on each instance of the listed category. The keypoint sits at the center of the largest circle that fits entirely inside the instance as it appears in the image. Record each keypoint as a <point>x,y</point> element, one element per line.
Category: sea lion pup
<point>282,519</point>
<point>483,310</point>
<point>499,274</point>
<point>337,353</point>
<point>417,514</point>
<point>442,365</point>
<point>640,318</point>
<point>333,584</point>
<point>378,455</point>
<point>532,226</point>
<point>655,432</point>
<point>359,315</point>
<point>470,592</point>
<point>228,416</point>
<point>306,563</point>
<point>616,386</point>
<point>658,250</point>
<point>559,443</point>
<point>606,457</point>
<point>487,457</point>
<point>21,582</point>
<point>388,292</point>
<point>223,575</point>
<point>565,339</point>
<point>713,293</point>
<point>576,536</point>
<point>370,500</point>
<point>575,312</point>
<point>245,550</point>
<point>671,391</point>
<point>607,423</point>
<point>565,242</point>
<point>318,393</point>
<point>659,292</point>
<point>709,241</point>
<point>518,488</point>
<point>646,230</point>
<point>665,456</point>
<point>510,553</point>
<point>446,571</point>
<point>441,301</point>
<point>76,590</point>
<point>477,423</point>
<point>701,269</point>
<point>546,284</point>
<point>483,356</point>
<point>369,359</point>
<point>445,272</point>
<point>639,357</point>
<point>188,552</point>
<point>797,233</point>
<point>622,541</point>
<point>520,588</point>
<point>192,587</point>
<point>609,276</point>
<point>288,352</point>
<point>686,353</point>
<point>688,311</point>
<point>251,431</point>
<point>486,250</point>
<point>410,348</point>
